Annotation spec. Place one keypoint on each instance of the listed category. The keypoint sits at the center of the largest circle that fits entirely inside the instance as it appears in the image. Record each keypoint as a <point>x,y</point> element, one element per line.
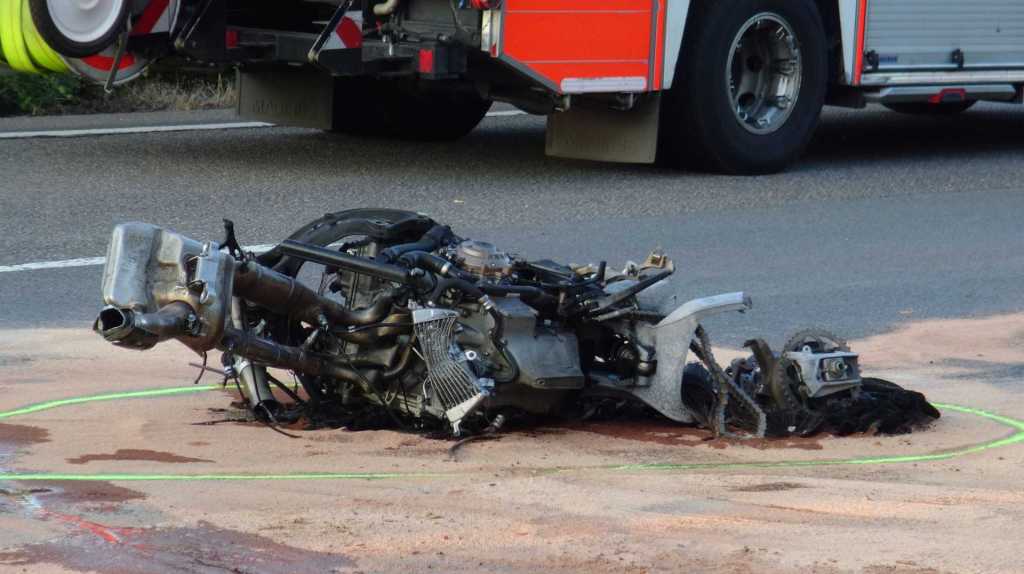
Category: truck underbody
<point>732,86</point>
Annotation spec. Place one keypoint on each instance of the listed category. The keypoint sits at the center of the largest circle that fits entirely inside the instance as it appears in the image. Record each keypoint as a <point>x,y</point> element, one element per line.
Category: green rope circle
<point>1016,425</point>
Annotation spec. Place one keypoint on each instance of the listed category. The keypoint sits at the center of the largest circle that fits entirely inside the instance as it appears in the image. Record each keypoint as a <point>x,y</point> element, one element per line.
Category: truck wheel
<point>749,86</point>
<point>79,28</point>
<point>384,108</point>
<point>929,109</point>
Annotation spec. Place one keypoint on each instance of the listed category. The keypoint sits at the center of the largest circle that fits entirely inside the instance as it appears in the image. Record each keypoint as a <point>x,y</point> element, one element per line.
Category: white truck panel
<point>848,31</point>
<point>676,12</point>
<point>924,34</point>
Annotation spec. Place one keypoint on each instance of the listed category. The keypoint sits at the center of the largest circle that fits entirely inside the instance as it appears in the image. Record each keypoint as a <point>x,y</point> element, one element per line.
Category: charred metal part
<point>256,387</point>
<point>432,263</point>
<point>253,378</point>
<point>548,357</point>
<point>127,328</point>
<point>671,338</point>
<point>530,295</point>
<point>383,226</point>
<point>231,241</point>
<point>388,272</point>
<point>284,294</point>
<point>762,354</point>
<point>606,302</point>
<point>273,354</point>
<point>824,361</point>
<point>728,391</point>
<point>416,327</point>
<point>375,334</point>
<point>433,239</point>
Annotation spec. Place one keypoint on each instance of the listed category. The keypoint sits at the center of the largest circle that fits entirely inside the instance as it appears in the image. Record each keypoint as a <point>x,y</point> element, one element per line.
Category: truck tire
<point>385,108</point>
<point>929,109</point>
<point>80,29</point>
<point>749,86</point>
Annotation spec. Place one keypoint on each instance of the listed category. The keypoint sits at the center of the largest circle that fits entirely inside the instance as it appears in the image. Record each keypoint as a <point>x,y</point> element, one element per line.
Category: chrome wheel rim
<point>84,21</point>
<point>763,73</point>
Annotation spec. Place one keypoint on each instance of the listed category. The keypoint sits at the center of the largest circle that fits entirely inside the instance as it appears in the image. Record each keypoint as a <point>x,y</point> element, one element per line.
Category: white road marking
<point>164,129</point>
<point>94,261</point>
<point>131,130</point>
<point>37,265</point>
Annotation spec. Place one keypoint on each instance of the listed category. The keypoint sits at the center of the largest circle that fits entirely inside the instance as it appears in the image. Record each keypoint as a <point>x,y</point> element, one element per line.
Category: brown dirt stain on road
<point>137,454</point>
<point>771,487</point>
<point>85,492</point>
<point>21,435</point>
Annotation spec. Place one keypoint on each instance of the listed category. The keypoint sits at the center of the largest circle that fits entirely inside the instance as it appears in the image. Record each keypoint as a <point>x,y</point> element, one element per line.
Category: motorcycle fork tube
<point>253,378</point>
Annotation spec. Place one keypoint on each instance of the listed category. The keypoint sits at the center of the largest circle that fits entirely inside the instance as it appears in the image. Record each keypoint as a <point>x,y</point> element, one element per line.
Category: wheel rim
<point>763,73</point>
<point>85,21</point>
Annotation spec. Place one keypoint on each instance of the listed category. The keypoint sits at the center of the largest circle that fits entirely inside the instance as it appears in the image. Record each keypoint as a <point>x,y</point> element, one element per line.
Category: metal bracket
<point>203,37</point>
<point>958,58</point>
<point>122,47</point>
<point>335,21</point>
<point>872,59</point>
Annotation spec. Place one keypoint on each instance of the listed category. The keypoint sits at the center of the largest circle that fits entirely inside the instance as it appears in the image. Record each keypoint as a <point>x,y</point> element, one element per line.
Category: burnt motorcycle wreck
<point>389,312</point>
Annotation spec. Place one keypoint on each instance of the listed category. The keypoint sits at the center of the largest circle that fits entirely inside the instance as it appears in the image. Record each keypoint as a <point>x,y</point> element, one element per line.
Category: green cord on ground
<point>105,397</point>
<point>1017,437</point>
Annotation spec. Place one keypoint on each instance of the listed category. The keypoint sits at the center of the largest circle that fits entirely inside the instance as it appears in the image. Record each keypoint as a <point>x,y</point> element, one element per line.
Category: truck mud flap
<point>300,98</point>
<point>604,134</point>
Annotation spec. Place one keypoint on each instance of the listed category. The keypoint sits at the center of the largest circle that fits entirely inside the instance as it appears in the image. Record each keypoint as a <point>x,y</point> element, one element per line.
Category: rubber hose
<point>38,49</point>
<point>20,43</point>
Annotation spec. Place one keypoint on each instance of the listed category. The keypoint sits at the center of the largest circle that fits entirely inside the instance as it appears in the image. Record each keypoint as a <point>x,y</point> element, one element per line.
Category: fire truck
<point>733,86</point>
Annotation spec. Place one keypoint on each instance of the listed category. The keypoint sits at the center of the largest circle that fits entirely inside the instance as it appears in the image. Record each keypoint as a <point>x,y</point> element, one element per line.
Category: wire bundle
<point>21,46</point>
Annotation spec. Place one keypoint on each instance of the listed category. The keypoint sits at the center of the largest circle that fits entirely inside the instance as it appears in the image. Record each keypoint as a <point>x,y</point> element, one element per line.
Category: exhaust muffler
<point>142,331</point>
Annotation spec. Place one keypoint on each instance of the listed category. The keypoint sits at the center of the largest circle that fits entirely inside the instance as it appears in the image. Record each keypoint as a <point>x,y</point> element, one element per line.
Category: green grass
<point>35,94</point>
<point>52,94</point>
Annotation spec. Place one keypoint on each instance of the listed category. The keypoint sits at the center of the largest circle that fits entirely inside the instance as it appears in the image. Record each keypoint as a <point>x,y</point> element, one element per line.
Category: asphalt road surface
<point>889,218</point>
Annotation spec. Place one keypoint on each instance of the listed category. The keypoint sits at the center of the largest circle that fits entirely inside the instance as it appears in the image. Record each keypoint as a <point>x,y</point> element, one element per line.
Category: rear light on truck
<point>426,61</point>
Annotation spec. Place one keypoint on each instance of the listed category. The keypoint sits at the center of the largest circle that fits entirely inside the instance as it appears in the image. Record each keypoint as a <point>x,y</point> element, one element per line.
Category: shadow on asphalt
<point>879,135</point>
<point>514,147</point>
<point>845,139</point>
